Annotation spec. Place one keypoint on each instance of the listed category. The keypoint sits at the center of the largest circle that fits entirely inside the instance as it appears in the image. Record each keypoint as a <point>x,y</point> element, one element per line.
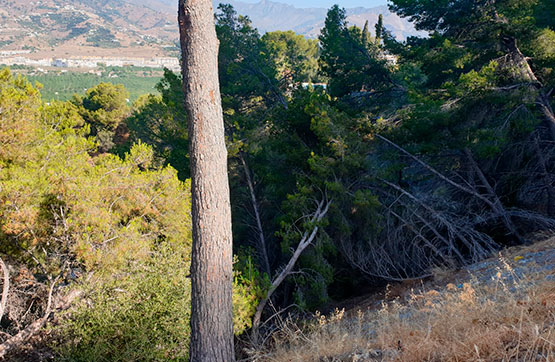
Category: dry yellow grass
<point>509,317</point>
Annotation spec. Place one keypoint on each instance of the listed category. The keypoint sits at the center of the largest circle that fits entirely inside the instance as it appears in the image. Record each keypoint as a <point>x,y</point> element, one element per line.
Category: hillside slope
<point>501,309</point>
<point>74,24</point>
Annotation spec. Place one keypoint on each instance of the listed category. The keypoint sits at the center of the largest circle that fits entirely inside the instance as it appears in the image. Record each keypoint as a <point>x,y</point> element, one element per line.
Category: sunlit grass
<point>510,317</point>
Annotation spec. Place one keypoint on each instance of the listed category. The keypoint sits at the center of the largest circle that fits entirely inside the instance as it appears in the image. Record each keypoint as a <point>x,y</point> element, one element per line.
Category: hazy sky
<point>328,3</point>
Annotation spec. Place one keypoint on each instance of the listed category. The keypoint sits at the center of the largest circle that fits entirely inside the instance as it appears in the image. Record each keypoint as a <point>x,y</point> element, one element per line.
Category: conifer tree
<point>379,29</point>
<point>212,255</point>
<point>365,34</point>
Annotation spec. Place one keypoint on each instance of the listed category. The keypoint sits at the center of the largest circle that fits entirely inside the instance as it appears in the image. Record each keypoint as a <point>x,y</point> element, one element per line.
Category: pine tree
<point>350,65</point>
<point>212,255</point>
<point>379,29</point>
<point>366,34</point>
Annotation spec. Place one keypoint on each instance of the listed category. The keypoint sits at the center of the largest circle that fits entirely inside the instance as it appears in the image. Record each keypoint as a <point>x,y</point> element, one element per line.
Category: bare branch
<point>497,206</point>
<point>262,240</point>
<point>5,288</point>
<point>306,240</point>
<point>437,173</point>
<point>24,335</point>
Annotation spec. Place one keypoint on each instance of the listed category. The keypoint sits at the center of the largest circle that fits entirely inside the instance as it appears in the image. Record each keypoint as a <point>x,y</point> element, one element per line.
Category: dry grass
<point>505,318</point>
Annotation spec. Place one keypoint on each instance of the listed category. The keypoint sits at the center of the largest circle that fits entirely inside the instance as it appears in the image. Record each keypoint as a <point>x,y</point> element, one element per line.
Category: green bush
<point>140,314</point>
<point>143,313</point>
<point>249,287</point>
<point>119,229</point>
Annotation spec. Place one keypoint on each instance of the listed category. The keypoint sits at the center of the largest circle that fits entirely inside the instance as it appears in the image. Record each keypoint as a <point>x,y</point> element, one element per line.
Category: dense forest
<point>355,161</point>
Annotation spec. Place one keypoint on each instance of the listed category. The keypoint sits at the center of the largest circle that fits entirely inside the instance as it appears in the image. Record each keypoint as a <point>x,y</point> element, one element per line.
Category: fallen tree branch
<point>437,173</point>
<point>32,329</point>
<point>497,206</point>
<point>306,240</point>
<point>20,338</point>
<point>492,201</point>
<point>547,110</point>
<point>5,288</point>
<point>547,178</point>
<point>427,242</point>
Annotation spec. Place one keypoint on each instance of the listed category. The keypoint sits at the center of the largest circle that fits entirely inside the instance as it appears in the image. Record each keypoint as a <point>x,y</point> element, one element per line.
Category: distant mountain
<point>268,15</point>
<point>147,26</point>
<point>72,25</point>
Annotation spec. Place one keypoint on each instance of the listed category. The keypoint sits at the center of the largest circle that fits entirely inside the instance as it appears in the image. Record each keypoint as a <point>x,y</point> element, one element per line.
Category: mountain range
<point>268,15</point>
<point>147,26</point>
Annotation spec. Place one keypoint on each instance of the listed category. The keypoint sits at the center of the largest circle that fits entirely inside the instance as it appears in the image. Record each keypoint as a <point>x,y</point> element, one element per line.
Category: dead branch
<point>437,173</point>
<point>492,201</point>
<point>427,224</point>
<point>497,206</point>
<point>262,240</point>
<point>424,238</point>
<point>547,178</point>
<point>5,288</point>
<point>518,64</point>
<point>16,342</point>
<point>547,110</point>
<point>306,240</point>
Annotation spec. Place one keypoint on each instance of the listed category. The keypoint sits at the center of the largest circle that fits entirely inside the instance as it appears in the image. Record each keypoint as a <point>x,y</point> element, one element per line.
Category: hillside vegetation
<point>355,161</point>
<point>502,309</point>
<point>77,27</point>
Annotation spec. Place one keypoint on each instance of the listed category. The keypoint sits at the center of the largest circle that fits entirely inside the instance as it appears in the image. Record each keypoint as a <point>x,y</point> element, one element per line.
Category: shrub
<point>142,313</point>
<point>249,287</point>
<point>119,229</point>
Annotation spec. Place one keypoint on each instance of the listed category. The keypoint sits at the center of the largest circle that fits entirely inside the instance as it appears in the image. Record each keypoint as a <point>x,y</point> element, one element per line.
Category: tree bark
<point>212,264</point>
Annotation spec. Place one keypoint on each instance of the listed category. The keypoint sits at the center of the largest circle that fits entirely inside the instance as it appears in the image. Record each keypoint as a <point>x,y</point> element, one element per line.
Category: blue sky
<point>328,3</point>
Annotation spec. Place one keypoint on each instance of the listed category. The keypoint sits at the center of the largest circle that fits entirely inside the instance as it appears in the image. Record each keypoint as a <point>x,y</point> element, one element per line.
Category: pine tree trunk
<point>211,265</point>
